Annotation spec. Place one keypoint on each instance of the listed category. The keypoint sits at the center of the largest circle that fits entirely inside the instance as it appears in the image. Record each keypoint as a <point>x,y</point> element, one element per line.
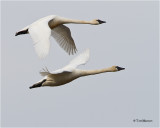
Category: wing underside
<point>62,35</point>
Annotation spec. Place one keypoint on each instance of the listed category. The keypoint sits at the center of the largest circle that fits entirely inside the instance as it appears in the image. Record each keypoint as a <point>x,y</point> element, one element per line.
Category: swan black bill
<point>101,22</point>
<point>119,68</point>
<point>39,84</point>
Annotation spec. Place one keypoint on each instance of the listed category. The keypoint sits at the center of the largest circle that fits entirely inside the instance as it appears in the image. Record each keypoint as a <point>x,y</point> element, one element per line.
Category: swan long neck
<point>93,72</point>
<point>67,21</point>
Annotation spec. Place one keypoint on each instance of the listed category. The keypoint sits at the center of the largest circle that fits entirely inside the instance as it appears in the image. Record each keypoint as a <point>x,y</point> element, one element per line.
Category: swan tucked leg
<point>39,84</point>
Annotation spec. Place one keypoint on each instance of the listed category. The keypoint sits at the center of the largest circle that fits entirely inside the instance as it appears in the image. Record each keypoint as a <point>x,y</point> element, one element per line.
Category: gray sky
<point>128,39</point>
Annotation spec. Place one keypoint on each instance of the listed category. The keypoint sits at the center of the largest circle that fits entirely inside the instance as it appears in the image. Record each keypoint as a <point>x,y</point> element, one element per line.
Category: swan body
<point>52,25</point>
<point>70,72</point>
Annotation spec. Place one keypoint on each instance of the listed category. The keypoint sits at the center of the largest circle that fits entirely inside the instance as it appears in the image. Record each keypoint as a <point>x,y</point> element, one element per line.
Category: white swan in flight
<point>41,30</point>
<point>70,72</point>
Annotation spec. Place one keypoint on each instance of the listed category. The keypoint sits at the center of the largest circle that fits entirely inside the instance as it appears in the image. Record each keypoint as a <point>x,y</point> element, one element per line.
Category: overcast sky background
<point>128,39</point>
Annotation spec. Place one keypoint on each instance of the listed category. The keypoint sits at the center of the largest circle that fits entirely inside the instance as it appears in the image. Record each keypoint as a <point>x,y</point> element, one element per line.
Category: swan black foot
<point>21,32</point>
<point>39,84</point>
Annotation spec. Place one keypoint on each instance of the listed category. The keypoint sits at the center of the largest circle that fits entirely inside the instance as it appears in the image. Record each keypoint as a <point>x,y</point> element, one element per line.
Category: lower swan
<point>70,72</point>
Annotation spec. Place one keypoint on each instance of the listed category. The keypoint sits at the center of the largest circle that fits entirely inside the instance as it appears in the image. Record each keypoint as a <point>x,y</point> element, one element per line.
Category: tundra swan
<point>70,72</point>
<point>41,30</point>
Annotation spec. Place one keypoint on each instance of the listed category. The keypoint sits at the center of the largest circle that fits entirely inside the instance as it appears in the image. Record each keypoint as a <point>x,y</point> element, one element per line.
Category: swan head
<point>117,68</point>
<point>97,21</point>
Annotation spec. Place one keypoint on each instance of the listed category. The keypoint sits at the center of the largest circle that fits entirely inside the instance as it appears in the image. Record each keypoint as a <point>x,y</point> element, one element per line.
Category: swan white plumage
<point>41,30</point>
<point>70,72</point>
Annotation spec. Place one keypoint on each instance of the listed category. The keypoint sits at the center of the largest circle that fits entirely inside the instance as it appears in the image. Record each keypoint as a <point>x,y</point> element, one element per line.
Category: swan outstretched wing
<point>79,60</point>
<point>62,35</point>
<point>40,33</point>
<point>45,72</point>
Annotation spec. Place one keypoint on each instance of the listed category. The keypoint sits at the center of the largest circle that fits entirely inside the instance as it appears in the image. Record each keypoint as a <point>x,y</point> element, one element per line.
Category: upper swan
<point>41,30</point>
